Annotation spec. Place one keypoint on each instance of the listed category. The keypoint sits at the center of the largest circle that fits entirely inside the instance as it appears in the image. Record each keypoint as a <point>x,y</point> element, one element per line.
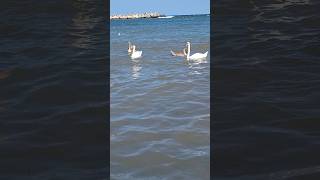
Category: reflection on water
<point>136,67</point>
<point>196,66</point>
<point>82,23</point>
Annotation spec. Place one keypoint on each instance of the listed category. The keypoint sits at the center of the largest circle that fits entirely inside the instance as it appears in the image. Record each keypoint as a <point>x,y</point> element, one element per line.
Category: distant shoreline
<point>149,15</point>
<point>136,16</point>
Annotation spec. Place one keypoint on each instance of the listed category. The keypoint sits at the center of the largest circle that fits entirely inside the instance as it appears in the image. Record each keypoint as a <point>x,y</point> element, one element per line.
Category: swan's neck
<point>133,49</point>
<point>130,47</point>
<point>188,54</point>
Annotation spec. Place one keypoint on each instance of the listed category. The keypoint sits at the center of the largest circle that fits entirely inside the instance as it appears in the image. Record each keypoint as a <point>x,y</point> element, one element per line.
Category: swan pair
<point>183,53</point>
<point>132,51</point>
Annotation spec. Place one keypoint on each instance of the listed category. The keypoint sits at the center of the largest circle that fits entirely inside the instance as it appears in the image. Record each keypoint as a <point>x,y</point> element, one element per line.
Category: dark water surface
<point>54,90</point>
<point>266,115</point>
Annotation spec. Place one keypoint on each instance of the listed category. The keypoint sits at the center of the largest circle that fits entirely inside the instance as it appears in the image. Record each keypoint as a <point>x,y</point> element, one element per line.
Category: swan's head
<point>188,43</point>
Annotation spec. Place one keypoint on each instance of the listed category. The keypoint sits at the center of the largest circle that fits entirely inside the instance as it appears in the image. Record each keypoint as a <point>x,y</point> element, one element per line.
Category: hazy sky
<point>167,7</point>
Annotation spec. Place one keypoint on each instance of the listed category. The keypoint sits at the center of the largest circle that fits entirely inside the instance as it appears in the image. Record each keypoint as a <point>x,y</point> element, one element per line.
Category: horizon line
<point>165,14</point>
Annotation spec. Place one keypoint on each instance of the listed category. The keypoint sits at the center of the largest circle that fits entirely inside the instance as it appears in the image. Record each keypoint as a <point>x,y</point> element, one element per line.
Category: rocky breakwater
<point>136,16</point>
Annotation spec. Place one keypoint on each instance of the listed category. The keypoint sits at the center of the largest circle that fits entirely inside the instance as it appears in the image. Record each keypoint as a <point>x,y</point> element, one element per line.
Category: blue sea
<point>160,104</point>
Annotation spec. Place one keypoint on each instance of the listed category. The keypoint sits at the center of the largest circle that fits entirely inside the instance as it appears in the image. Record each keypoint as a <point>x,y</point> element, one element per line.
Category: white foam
<point>166,17</point>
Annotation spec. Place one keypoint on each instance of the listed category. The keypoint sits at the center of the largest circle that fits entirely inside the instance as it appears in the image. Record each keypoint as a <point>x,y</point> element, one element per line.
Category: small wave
<point>166,17</point>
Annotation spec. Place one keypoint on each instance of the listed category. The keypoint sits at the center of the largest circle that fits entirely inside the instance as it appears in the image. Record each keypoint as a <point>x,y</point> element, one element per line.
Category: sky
<point>166,7</point>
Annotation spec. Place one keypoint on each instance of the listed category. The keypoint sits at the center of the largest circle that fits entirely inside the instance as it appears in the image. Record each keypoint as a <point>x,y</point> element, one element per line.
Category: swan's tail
<point>173,53</point>
<point>206,54</point>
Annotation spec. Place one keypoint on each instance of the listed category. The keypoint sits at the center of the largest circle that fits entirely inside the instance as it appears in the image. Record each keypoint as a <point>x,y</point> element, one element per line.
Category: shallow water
<point>266,90</point>
<point>159,103</point>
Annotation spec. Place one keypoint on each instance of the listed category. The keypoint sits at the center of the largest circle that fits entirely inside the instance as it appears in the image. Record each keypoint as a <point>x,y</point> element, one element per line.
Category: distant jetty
<point>136,16</point>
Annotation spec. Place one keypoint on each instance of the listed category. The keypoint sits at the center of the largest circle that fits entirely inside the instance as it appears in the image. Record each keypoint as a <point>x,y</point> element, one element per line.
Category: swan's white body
<point>135,54</point>
<point>196,56</point>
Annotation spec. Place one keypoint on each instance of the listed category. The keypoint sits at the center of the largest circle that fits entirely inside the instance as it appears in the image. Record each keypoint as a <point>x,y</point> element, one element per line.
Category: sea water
<point>160,107</point>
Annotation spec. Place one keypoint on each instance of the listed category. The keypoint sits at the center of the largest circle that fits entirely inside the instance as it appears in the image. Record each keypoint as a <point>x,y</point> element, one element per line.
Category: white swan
<point>196,56</point>
<point>135,54</point>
